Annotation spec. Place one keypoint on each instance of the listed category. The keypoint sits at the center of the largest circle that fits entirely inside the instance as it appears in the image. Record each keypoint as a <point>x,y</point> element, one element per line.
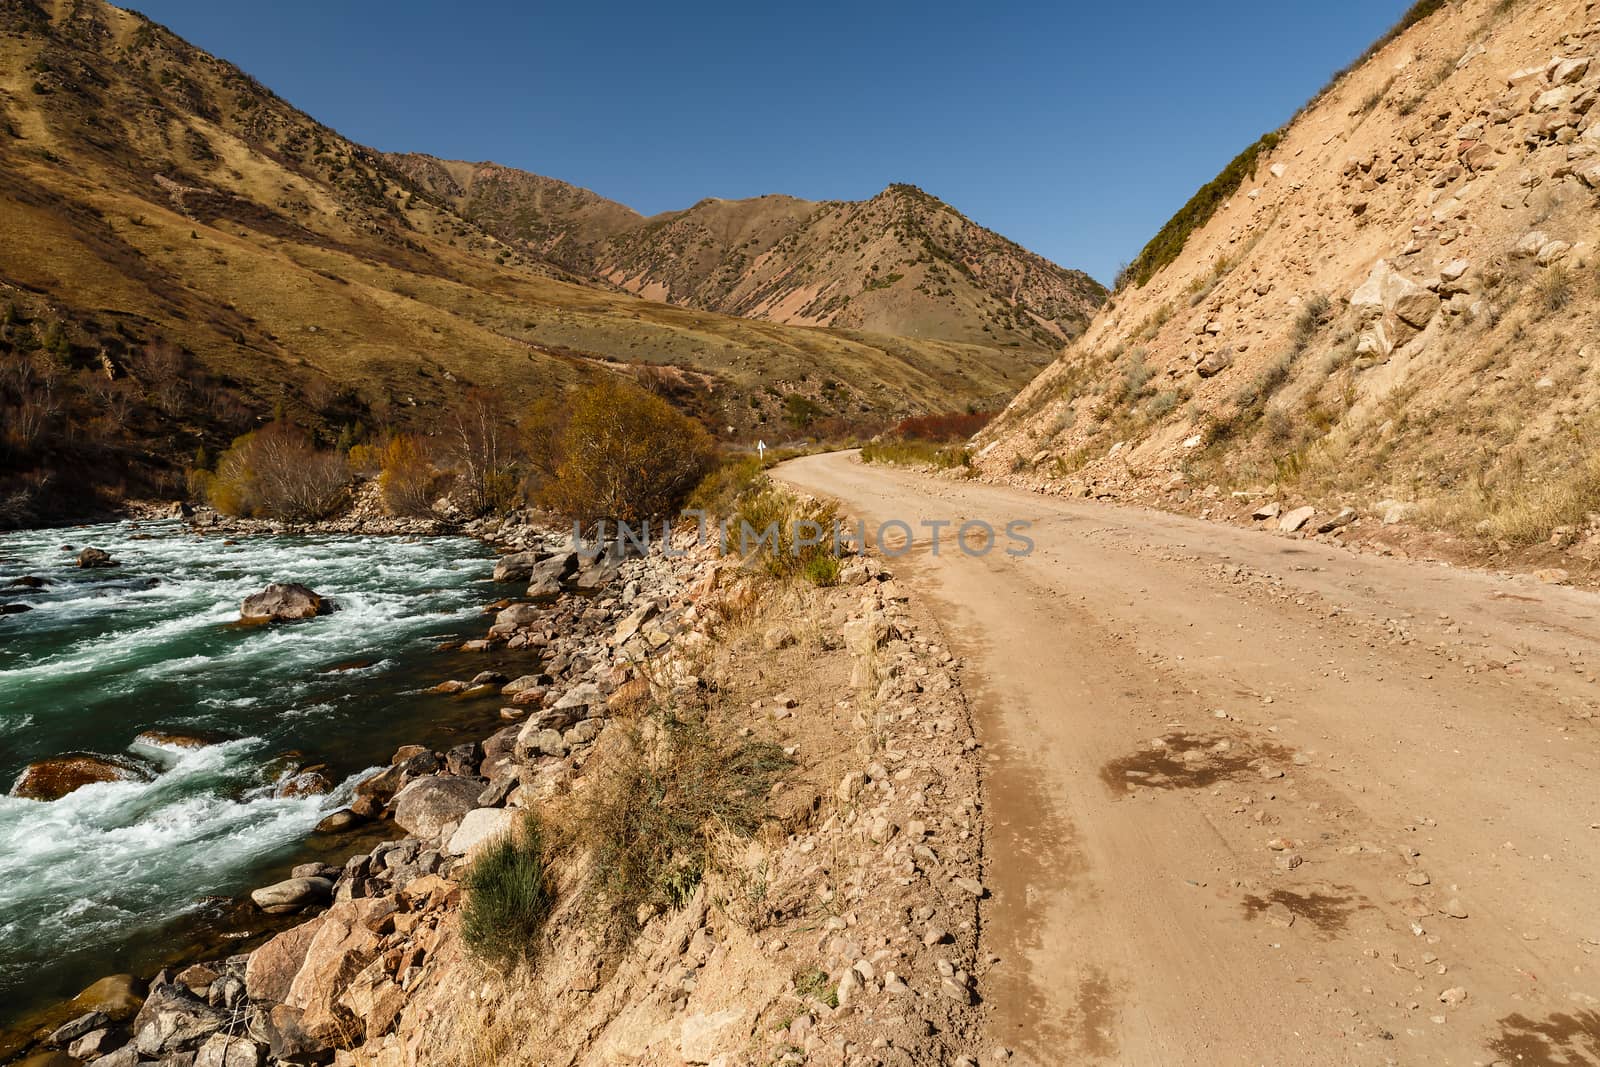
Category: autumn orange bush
<point>276,472</point>
<point>407,477</point>
<point>619,453</point>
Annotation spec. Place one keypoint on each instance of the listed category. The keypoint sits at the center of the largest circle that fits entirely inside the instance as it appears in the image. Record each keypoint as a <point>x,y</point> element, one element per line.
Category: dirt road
<point>1260,800</point>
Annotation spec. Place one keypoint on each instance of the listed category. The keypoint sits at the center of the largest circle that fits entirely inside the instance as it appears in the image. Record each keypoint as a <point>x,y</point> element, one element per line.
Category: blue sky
<point>1076,132</point>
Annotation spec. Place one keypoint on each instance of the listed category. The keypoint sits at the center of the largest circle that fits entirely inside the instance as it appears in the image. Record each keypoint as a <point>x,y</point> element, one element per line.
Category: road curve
<point>1254,799</point>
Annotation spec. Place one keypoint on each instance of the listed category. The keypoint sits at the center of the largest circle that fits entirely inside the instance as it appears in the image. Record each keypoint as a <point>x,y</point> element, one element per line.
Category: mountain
<point>183,252</point>
<point>902,263</point>
<point>1391,304</point>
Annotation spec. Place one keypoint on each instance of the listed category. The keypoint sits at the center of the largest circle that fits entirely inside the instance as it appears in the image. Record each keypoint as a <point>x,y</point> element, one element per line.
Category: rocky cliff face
<point>1394,309</point>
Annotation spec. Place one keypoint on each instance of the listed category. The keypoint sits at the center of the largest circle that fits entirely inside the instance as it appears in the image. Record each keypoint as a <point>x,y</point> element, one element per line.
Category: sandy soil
<point>1261,800</point>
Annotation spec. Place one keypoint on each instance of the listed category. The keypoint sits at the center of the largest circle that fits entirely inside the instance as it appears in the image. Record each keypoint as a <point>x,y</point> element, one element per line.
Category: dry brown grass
<point>1524,514</point>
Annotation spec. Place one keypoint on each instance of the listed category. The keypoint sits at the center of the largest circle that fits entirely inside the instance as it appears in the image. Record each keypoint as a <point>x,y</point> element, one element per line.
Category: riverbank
<point>231,742</point>
<point>844,920</point>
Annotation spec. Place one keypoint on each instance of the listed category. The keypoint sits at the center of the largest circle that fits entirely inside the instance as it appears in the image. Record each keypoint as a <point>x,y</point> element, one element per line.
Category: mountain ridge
<point>901,262</point>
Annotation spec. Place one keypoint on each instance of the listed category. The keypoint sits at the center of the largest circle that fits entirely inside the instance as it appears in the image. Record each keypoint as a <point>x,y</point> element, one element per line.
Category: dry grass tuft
<point>659,804</point>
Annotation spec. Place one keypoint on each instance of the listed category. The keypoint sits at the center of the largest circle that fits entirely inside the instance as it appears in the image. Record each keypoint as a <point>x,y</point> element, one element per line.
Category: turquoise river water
<point>121,876</point>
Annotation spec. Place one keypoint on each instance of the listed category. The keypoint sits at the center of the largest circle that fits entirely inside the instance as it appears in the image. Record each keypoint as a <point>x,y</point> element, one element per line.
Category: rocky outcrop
<point>91,558</point>
<point>283,602</point>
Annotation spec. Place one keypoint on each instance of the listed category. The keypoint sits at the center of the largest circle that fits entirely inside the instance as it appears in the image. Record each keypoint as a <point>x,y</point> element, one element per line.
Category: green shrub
<point>508,897</point>
<point>822,570</point>
<point>623,454</point>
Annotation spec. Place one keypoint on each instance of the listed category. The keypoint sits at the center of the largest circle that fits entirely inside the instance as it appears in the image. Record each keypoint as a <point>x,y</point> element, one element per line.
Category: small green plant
<point>822,571</point>
<point>813,984</point>
<point>508,898</point>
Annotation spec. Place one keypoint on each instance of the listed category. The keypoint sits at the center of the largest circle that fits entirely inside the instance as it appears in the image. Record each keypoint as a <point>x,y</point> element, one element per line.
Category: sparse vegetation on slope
<point>1312,336</point>
<point>903,262</point>
<point>1168,243</point>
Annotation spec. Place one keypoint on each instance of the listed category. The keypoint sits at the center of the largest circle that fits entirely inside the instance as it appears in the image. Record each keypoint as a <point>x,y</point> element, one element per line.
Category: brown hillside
<point>153,196</point>
<point>1394,305</point>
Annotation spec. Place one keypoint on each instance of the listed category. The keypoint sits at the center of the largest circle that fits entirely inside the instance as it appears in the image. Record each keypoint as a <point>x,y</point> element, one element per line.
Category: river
<point>121,876</point>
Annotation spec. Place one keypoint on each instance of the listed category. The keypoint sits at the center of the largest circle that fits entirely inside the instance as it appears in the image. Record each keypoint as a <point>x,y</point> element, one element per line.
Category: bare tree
<point>164,370</point>
<point>480,444</point>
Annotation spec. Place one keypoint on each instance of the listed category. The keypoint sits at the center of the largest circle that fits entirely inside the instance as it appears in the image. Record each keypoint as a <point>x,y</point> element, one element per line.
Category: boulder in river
<point>174,739</point>
<point>56,776</point>
<point>339,822</point>
<point>283,602</point>
<point>310,782</point>
<point>516,567</point>
<point>13,609</point>
<point>96,557</point>
<point>118,995</point>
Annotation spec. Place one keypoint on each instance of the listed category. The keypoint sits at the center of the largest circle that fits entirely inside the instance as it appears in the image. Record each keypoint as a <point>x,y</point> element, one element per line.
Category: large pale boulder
<point>1529,244</point>
<point>1295,519</point>
<point>292,895</point>
<point>224,1050</point>
<point>702,1035</point>
<point>272,967</point>
<point>479,826</point>
<point>582,695</point>
<point>518,615</point>
<point>431,808</point>
<point>1392,309</point>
